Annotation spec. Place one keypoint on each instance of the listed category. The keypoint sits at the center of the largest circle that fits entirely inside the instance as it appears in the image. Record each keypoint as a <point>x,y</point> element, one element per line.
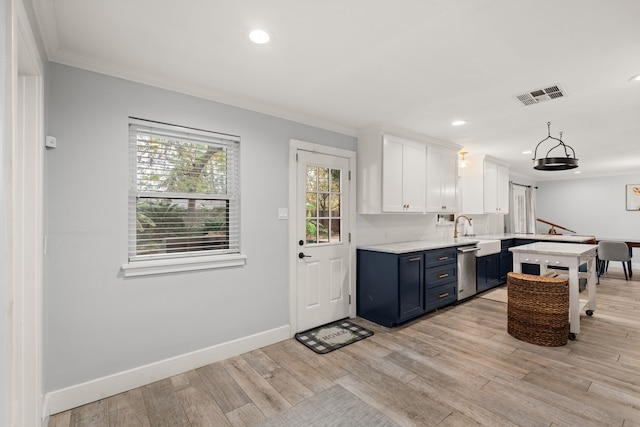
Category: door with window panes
<point>322,269</point>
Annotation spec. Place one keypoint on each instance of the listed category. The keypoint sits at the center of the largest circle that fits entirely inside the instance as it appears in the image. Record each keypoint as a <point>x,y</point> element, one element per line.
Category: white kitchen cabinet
<point>392,171</point>
<point>403,175</point>
<point>442,179</point>
<point>485,186</point>
<point>496,188</point>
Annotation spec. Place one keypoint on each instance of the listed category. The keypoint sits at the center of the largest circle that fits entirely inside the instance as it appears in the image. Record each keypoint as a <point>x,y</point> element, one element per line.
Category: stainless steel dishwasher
<point>466,271</point>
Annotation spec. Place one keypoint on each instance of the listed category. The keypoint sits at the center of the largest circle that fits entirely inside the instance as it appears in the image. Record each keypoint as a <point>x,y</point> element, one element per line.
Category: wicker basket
<point>538,309</point>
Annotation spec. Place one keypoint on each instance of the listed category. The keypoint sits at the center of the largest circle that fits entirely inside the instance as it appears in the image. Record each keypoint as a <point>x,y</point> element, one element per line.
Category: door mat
<point>332,336</point>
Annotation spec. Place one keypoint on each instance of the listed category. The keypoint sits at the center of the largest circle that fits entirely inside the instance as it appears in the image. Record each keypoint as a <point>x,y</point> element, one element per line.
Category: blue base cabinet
<point>487,272</point>
<point>410,289</point>
<point>390,287</point>
<point>506,259</point>
<point>395,288</point>
<point>441,278</point>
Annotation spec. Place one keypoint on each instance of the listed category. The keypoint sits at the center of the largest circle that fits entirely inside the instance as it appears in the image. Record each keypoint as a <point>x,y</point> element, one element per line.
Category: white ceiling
<point>410,64</point>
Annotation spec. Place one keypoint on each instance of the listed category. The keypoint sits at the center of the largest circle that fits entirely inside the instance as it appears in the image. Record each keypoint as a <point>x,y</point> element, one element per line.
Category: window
<point>521,217</point>
<point>184,192</point>
<point>323,205</point>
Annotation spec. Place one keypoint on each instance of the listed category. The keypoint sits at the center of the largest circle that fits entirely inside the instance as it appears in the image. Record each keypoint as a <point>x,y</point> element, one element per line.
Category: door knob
<point>302,255</point>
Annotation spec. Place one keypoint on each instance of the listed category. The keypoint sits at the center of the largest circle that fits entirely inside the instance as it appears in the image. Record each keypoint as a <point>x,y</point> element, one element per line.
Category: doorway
<point>321,234</point>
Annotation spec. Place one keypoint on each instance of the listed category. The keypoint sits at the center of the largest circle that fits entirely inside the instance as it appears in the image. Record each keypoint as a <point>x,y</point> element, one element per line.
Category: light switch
<point>50,141</point>
<point>283,213</point>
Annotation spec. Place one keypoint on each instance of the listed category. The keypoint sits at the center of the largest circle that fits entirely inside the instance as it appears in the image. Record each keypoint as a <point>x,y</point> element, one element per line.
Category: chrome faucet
<point>455,224</point>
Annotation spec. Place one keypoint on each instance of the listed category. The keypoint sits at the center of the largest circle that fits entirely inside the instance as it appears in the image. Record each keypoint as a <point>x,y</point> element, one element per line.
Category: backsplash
<point>393,228</point>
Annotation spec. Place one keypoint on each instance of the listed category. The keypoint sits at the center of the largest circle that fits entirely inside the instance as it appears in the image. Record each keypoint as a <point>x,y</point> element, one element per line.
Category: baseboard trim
<point>80,394</point>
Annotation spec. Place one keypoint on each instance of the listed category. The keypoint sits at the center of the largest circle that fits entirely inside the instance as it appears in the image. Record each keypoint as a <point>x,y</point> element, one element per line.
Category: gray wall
<point>593,206</point>
<point>98,323</point>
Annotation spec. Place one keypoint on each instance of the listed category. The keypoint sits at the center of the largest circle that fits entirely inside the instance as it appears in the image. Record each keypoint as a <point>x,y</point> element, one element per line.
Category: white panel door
<point>322,270</point>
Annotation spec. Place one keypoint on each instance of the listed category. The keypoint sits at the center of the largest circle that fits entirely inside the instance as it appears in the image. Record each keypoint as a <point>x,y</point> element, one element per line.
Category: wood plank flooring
<point>456,367</point>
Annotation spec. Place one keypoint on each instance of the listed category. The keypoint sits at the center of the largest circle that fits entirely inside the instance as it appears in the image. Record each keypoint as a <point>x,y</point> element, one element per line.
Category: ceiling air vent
<point>539,95</point>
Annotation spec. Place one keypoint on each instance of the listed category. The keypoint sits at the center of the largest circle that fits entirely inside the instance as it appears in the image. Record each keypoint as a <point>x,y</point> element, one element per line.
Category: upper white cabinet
<point>485,186</point>
<point>394,173</point>
<point>442,179</point>
<point>403,175</point>
<point>496,188</point>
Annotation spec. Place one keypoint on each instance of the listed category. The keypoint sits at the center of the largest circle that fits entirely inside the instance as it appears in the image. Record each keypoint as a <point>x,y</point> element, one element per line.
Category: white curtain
<point>522,209</point>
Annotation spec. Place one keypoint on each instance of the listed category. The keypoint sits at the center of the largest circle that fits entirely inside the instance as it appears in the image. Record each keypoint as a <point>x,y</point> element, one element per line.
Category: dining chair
<point>613,251</point>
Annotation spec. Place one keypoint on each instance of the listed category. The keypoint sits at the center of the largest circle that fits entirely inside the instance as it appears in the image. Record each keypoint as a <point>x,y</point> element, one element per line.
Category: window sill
<point>178,265</point>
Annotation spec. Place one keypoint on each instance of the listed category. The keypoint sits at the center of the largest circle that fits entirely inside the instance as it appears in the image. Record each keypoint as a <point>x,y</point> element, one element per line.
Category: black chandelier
<point>549,163</point>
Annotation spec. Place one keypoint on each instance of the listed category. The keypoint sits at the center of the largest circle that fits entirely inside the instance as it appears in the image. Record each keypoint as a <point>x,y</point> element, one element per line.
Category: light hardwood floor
<point>456,367</point>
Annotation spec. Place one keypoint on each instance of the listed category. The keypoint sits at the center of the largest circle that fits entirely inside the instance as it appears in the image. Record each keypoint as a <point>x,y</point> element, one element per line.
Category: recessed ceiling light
<point>458,123</point>
<point>259,36</point>
<point>527,152</point>
<point>635,78</point>
<point>577,172</point>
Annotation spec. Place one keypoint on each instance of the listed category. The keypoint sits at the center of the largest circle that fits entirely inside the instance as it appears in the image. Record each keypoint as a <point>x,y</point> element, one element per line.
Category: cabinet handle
<point>442,276</point>
<point>446,294</point>
<point>415,259</point>
<point>442,258</point>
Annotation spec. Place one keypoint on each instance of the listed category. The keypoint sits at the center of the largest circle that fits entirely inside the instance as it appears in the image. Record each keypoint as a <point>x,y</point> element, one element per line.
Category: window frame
<point>185,260</point>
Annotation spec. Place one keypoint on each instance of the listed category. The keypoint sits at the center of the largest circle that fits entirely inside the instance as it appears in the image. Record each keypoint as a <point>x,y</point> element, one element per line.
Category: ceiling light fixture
<point>259,36</point>
<point>548,163</point>
<point>635,78</point>
<point>463,163</point>
<point>458,123</point>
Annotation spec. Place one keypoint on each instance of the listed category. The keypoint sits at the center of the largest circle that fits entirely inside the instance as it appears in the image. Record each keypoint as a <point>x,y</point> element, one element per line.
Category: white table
<point>571,255</point>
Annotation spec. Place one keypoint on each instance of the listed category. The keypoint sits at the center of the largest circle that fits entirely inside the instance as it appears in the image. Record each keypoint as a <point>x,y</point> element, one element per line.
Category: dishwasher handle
<point>467,250</point>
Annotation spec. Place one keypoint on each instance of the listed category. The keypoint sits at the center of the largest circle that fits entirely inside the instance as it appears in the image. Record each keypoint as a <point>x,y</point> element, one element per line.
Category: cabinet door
<point>502,189</point>
<point>410,286</point>
<point>392,174</point>
<point>403,175</point>
<point>487,272</point>
<point>506,264</point>
<point>450,181</point>
<point>496,188</point>
<point>442,178</point>
<point>414,165</point>
<point>490,187</point>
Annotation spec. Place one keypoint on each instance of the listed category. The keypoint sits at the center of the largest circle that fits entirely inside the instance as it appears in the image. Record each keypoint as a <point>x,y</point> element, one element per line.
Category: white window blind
<point>184,192</point>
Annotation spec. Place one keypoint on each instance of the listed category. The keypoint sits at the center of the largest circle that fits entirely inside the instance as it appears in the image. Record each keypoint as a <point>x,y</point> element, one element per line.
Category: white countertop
<point>424,245</point>
<point>420,245</point>
<point>555,248</point>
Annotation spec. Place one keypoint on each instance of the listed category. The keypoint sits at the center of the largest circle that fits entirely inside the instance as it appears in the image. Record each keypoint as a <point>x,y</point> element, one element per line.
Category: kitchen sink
<point>488,247</point>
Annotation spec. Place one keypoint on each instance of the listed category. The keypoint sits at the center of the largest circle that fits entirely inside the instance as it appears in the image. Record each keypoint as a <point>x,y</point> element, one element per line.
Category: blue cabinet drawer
<point>440,296</point>
<point>437,276</point>
<point>438,257</point>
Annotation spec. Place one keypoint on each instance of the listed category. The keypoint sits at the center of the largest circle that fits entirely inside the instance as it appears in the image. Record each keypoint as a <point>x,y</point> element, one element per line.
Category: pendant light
<point>550,163</point>
<point>463,162</point>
